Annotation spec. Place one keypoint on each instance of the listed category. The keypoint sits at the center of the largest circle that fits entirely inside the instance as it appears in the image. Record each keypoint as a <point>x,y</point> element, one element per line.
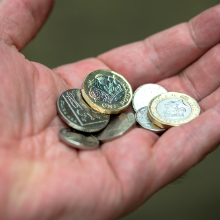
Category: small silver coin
<point>78,115</point>
<point>144,94</point>
<point>143,120</point>
<point>76,139</point>
<point>117,127</point>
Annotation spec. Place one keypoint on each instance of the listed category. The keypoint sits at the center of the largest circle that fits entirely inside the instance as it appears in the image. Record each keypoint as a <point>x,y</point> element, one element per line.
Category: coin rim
<point>98,107</point>
<point>166,123</point>
<point>135,109</point>
<point>75,126</point>
<point>75,144</point>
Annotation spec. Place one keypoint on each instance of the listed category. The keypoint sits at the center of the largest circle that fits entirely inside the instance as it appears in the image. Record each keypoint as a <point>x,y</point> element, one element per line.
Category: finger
<point>75,73</point>
<point>182,147</point>
<point>211,100</point>
<point>165,54</point>
<point>22,19</point>
<point>200,79</point>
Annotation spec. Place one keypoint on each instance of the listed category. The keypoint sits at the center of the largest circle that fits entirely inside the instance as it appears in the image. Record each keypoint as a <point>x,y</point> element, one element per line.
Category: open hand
<point>42,178</point>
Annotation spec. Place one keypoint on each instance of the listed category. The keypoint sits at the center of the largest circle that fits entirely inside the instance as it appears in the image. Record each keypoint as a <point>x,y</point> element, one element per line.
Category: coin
<point>143,119</point>
<point>144,94</point>
<point>83,141</point>
<point>172,109</point>
<point>107,91</point>
<point>77,114</point>
<point>117,127</point>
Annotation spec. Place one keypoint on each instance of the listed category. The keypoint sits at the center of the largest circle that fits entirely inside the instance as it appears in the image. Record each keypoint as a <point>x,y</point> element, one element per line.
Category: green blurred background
<point>80,29</point>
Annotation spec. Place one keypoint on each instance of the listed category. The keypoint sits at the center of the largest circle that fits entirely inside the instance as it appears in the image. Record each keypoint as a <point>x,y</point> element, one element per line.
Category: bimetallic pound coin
<point>83,141</point>
<point>172,109</point>
<point>107,91</point>
<point>117,127</point>
<point>143,120</point>
<point>77,114</point>
<point>144,94</point>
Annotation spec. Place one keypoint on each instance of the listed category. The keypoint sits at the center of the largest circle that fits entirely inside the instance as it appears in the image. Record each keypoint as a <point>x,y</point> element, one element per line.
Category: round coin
<point>107,91</point>
<point>77,114</point>
<point>117,127</point>
<point>172,109</point>
<point>83,141</point>
<point>143,119</point>
<point>144,94</point>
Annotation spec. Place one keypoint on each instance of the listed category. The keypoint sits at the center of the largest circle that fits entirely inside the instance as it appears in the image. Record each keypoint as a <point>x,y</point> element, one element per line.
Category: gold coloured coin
<point>107,91</point>
<point>172,109</point>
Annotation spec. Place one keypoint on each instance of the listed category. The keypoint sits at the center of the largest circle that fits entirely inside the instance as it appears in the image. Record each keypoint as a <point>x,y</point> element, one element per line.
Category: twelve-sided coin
<point>107,91</point>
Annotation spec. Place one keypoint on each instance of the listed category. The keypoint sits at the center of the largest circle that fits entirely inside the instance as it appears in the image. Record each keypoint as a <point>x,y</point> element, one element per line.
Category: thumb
<point>20,20</point>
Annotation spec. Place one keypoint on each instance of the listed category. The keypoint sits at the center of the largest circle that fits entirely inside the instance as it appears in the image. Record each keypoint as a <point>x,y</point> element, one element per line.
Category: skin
<point>42,178</point>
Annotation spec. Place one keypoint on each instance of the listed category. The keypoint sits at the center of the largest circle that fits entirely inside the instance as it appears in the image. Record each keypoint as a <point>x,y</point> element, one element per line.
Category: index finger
<point>166,53</point>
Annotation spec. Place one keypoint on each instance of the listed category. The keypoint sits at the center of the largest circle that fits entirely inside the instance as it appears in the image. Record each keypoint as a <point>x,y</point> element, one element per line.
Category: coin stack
<point>158,110</point>
<point>96,108</point>
<point>94,112</point>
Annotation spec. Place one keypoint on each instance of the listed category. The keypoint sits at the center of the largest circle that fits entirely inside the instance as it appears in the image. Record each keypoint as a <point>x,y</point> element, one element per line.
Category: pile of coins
<point>158,110</point>
<point>94,112</point>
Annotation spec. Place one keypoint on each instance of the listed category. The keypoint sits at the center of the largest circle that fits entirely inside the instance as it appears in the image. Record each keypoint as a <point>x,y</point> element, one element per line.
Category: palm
<point>109,182</point>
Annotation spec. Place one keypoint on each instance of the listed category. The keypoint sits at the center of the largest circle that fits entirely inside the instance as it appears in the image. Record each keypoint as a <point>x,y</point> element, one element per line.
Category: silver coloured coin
<point>78,115</point>
<point>117,127</point>
<point>144,94</point>
<point>174,109</point>
<point>143,120</point>
<point>76,139</point>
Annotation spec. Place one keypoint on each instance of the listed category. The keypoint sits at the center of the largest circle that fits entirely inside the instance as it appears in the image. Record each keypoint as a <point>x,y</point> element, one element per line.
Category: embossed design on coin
<point>144,94</point>
<point>117,127</point>
<point>143,119</point>
<point>77,114</point>
<point>107,91</point>
<point>172,109</point>
<point>76,139</point>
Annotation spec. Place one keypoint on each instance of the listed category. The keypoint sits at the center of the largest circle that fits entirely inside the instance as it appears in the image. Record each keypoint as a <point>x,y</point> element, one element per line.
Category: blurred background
<point>80,29</point>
